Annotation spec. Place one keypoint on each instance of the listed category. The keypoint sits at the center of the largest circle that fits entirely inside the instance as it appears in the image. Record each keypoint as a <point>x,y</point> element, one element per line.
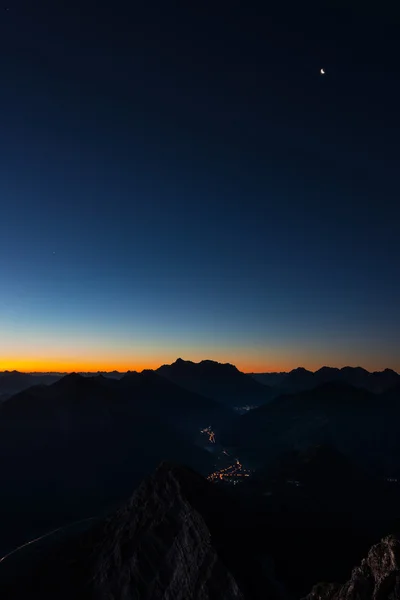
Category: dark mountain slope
<point>393,395</point>
<point>14,382</point>
<point>382,381</point>
<point>360,424</point>
<point>184,408</point>
<point>300,379</point>
<point>171,541</point>
<point>269,379</point>
<point>222,382</point>
<point>181,537</point>
<point>79,446</point>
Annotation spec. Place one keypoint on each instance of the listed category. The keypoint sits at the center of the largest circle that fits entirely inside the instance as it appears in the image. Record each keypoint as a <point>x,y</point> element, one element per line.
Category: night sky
<point>179,179</point>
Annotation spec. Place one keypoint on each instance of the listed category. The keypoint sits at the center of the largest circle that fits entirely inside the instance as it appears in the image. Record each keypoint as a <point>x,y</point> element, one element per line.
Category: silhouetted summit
<point>223,382</point>
<point>164,542</point>
<point>72,380</point>
<point>296,380</point>
<point>206,367</point>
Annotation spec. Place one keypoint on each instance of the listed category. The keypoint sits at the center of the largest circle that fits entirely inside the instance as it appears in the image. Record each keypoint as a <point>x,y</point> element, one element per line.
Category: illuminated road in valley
<point>211,435</point>
<point>234,471</point>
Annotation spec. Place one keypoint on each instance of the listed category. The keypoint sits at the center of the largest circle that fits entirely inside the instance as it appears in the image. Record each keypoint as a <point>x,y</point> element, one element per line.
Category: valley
<point>299,466</point>
<point>228,468</point>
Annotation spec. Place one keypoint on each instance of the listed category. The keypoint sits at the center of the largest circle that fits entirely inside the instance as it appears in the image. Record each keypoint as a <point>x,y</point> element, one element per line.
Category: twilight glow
<point>245,212</point>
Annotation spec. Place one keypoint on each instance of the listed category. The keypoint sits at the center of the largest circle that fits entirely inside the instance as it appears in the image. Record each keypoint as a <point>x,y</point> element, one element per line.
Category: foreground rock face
<point>377,578</point>
<point>159,547</point>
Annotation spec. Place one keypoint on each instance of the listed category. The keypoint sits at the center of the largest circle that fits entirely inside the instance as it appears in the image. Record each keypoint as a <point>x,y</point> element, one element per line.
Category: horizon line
<point>122,372</point>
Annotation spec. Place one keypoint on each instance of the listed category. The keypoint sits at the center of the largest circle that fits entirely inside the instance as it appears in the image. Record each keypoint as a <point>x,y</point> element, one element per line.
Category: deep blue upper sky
<point>184,181</point>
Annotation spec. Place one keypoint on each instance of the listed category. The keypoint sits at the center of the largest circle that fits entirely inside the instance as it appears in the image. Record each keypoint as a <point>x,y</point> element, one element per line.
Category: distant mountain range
<point>12,382</point>
<point>325,448</point>
<point>362,425</point>
<point>221,382</point>
<point>224,382</point>
<point>96,438</point>
<point>301,379</point>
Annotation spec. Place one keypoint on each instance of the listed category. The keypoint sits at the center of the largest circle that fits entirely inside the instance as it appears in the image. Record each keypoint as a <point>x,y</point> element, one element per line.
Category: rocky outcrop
<point>158,546</point>
<point>377,578</point>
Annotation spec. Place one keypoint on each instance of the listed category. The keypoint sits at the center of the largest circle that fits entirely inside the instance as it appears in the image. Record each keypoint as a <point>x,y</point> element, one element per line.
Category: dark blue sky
<point>205,190</point>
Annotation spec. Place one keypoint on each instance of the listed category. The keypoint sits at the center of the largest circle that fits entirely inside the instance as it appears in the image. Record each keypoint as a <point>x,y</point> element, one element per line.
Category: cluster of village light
<point>234,472</point>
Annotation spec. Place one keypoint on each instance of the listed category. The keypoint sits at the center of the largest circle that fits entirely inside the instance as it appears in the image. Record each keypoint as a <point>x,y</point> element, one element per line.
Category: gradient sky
<point>185,183</point>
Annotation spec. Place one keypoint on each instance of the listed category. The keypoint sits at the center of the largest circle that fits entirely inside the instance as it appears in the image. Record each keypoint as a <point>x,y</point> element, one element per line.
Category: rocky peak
<point>158,546</point>
<point>377,578</point>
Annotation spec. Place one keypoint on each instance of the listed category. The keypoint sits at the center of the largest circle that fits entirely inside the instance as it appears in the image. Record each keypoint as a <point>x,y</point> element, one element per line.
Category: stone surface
<point>156,547</point>
<point>159,547</point>
<point>377,578</point>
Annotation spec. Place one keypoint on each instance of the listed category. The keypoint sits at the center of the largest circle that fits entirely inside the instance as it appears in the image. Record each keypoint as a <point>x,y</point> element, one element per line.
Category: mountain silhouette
<point>80,445</point>
<point>360,424</point>
<point>174,538</point>
<point>222,382</point>
<point>13,382</point>
<point>217,380</point>
<point>301,379</point>
<point>179,536</point>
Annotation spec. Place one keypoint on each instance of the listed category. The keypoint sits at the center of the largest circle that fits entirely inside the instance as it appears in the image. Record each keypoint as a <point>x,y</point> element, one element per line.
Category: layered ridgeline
<point>362,425</point>
<point>12,382</point>
<point>325,488</point>
<point>225,383</point>
<point>221,382</point>
<point>80,445</point>
<point>301,379</point>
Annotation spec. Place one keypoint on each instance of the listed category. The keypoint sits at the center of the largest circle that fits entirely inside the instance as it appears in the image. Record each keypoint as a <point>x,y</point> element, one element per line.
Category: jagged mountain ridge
<point>144,393</point>
<point>14,382</point>
<point>158,546</point>
<point>96,438</point>
<point>222,382</point>
<point>188,374</point>
<point>301,379</point>
<point>172,540</point>
<point>168,539</point>
<point>360,424</point>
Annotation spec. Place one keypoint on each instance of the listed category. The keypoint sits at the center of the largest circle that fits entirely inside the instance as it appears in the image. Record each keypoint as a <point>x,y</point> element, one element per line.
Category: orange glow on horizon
<point>69,365</point>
